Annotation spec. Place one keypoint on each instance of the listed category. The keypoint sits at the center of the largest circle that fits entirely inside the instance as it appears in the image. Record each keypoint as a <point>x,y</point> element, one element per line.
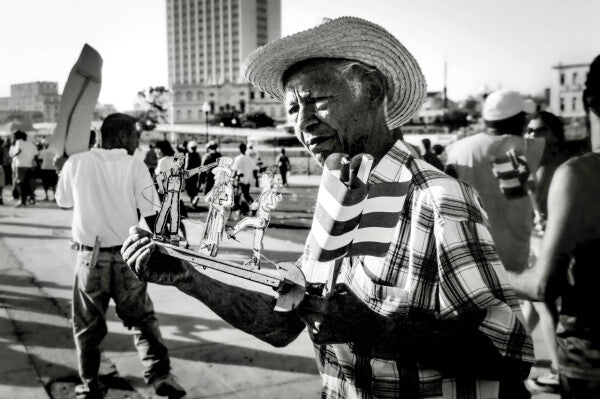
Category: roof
<point>559,66</point>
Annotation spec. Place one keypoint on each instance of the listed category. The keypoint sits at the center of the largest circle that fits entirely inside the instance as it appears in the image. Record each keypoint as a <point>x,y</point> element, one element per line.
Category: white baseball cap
<point>503,104</point>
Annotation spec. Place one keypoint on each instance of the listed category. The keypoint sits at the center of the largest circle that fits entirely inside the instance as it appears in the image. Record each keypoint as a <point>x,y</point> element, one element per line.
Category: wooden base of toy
<point>287,281</point>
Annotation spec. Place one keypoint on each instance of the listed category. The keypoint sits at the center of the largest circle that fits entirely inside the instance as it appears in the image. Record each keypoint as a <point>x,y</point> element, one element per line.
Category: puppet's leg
<point>174,215</point>
<point>258,245</point>
<point>161,220</point>
<point>248,222</point>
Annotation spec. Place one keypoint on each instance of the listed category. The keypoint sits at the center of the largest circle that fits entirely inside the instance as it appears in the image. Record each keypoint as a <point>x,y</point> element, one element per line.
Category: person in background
<point>6,162</point>
<point>192,160</point>
<point>470,159</point>
<point>23,154</point>
<point>567,267</point>
<point>48,171</point>
<point>164,154</point>
<point>207,177</point>
<point>284,165</point>
<point>245,168</point>
<point>166,162</point>
<point>150,159</point>
<point>429,156</point>
<point>258,160</point>
<point>106,187</point>
<point>3,154</point>
<point>547,126</point>
<point>440,151</point>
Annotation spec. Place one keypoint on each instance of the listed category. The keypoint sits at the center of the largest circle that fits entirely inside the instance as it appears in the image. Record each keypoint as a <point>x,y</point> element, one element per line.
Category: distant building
<point>39,97</point>
<point>566,90</point>
<point>207,41</point>
<point>35,96</point>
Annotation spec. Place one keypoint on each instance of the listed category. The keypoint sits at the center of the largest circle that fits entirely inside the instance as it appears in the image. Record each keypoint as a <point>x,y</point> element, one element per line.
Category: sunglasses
<point>541,129</point>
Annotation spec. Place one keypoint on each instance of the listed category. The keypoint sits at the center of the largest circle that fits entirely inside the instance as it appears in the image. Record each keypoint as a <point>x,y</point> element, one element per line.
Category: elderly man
<point>435,316</point>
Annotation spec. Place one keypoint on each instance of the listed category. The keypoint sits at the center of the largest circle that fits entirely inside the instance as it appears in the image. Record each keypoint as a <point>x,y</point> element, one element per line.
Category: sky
<point>494,44</point>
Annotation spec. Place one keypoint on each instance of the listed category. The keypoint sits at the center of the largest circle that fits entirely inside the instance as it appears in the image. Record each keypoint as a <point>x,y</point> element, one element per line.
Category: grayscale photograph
<point>299,199</point>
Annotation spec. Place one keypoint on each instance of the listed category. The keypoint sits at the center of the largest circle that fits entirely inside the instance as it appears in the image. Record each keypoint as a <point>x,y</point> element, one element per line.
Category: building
<point>566,90</point>
<point>40,97</point>
<point>207,41</point>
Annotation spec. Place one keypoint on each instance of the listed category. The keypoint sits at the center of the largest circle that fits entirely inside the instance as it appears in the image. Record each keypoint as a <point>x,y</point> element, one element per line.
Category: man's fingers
<point>134,246</point>
<point>138,230</point>
<point>140,258</point>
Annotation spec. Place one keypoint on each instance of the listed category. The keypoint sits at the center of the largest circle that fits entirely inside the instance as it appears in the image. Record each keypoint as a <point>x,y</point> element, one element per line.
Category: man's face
<point>330,113</point>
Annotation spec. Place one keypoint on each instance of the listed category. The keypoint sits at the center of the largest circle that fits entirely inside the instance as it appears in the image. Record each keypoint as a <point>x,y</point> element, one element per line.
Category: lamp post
<point>206,110</point>
<point>234,123</point>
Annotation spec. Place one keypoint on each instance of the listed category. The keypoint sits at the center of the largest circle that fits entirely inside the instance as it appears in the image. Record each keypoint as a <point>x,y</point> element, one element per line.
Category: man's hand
<point>149,265</point>
<point>338,318</point>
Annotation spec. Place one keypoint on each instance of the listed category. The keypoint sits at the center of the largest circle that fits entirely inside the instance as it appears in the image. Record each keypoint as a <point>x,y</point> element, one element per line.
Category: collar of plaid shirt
<point>396,283</point>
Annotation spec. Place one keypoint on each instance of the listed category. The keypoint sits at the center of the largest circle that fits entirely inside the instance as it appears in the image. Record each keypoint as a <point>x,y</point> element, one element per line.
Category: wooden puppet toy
<point>220,201</point>
<point>263,205</point>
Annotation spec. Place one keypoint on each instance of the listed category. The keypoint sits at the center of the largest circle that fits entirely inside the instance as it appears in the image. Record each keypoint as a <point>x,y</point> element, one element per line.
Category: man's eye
<point>293,109</point>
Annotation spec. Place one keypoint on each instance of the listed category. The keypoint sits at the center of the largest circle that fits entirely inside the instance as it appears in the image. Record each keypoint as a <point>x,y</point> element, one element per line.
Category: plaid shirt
<point>444,227</point>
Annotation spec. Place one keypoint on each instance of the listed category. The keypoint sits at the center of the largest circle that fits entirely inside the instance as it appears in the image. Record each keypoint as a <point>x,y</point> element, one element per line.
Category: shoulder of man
<point>451,198</point>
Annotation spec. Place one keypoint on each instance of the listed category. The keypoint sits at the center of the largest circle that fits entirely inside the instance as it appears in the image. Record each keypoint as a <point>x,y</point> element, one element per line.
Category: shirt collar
<point>394,165</point>
<point>111,151</point>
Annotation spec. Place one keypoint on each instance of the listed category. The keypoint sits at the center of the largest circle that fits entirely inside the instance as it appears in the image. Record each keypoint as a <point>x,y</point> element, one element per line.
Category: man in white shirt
<point>106,187</point>
<point>23,154</point>
<point>245,167</point>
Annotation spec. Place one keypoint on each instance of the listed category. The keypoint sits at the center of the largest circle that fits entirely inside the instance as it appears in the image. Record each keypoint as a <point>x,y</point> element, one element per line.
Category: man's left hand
<point>338,318</point>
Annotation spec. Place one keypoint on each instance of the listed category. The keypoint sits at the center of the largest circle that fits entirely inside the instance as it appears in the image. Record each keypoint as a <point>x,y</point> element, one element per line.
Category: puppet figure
<point>170,184</point>
<point>264,204</point>
<point>220,201</point>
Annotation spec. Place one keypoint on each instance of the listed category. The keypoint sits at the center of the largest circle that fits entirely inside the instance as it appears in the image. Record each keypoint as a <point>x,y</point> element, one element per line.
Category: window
<point>562,78</point>
<point>251,95</point>
<point>189,114</point>
<point>188,96</point>
<point>562,105</point>
<point>262,94</point>
<point>574,103</point>
<point>200,94</point>
<point>178,115</point>
<point>574,80</point>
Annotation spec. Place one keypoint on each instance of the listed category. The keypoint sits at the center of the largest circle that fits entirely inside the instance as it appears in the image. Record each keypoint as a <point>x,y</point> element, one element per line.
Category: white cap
<point>502,104</point>
<point>191,144</point>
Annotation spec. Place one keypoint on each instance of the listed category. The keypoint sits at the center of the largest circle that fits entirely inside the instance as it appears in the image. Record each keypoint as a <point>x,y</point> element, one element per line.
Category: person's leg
<point>90,301</point>
<point>21,185</point>
<point>283,173</point>
<point>31,179</point>
<point>134,307</point>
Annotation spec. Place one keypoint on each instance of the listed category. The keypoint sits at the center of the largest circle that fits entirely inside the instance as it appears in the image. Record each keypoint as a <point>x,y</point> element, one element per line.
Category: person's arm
<point>247,310</point>
<point>545,281</point>
<point>146,197</point>
<point>64,187</point>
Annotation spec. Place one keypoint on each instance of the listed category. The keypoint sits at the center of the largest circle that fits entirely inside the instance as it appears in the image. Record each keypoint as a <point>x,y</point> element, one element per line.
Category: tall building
<point>566,90</point>
<point>207,41</point>
<point>34,96</point>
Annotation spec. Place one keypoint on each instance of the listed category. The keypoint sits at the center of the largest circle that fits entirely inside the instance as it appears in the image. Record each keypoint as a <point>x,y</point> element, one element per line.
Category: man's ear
<point>376,88</point>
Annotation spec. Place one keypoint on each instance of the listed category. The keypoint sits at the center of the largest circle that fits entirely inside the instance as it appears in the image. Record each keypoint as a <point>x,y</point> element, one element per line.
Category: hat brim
<point>347,38</point>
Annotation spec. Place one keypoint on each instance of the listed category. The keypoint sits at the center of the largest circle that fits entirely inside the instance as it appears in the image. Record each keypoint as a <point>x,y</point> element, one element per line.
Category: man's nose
<point>307,121</point>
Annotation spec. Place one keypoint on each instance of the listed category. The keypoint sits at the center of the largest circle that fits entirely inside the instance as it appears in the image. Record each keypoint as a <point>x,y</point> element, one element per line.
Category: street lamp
<point>206,110</point>
<point>233,123</point>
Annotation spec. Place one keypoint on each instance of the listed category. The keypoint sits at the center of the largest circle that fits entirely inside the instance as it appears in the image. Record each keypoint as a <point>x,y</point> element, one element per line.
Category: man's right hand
<point>150,265</point>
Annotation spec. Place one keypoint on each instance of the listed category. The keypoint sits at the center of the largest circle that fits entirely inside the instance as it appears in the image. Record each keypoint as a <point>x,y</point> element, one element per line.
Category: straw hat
<point>349,38</point>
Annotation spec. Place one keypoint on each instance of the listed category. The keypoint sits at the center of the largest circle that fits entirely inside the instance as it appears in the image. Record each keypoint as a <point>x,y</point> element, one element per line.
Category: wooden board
<point>77,103</point>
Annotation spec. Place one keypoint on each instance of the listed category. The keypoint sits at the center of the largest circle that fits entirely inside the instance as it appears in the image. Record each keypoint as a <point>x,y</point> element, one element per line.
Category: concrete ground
<point>210,358</point>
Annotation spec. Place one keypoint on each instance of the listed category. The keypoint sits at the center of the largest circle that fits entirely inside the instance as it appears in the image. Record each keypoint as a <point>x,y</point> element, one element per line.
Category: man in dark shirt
<point>567,265</point>
<point>211,156</point>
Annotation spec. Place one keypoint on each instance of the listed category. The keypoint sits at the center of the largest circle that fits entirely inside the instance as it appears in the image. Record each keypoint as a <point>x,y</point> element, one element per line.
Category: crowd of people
<point>24,163</point>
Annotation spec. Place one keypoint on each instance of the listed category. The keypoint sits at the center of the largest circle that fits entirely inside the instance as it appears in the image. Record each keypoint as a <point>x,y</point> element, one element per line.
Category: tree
<point>259,119</point>
<point>153,107</point>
